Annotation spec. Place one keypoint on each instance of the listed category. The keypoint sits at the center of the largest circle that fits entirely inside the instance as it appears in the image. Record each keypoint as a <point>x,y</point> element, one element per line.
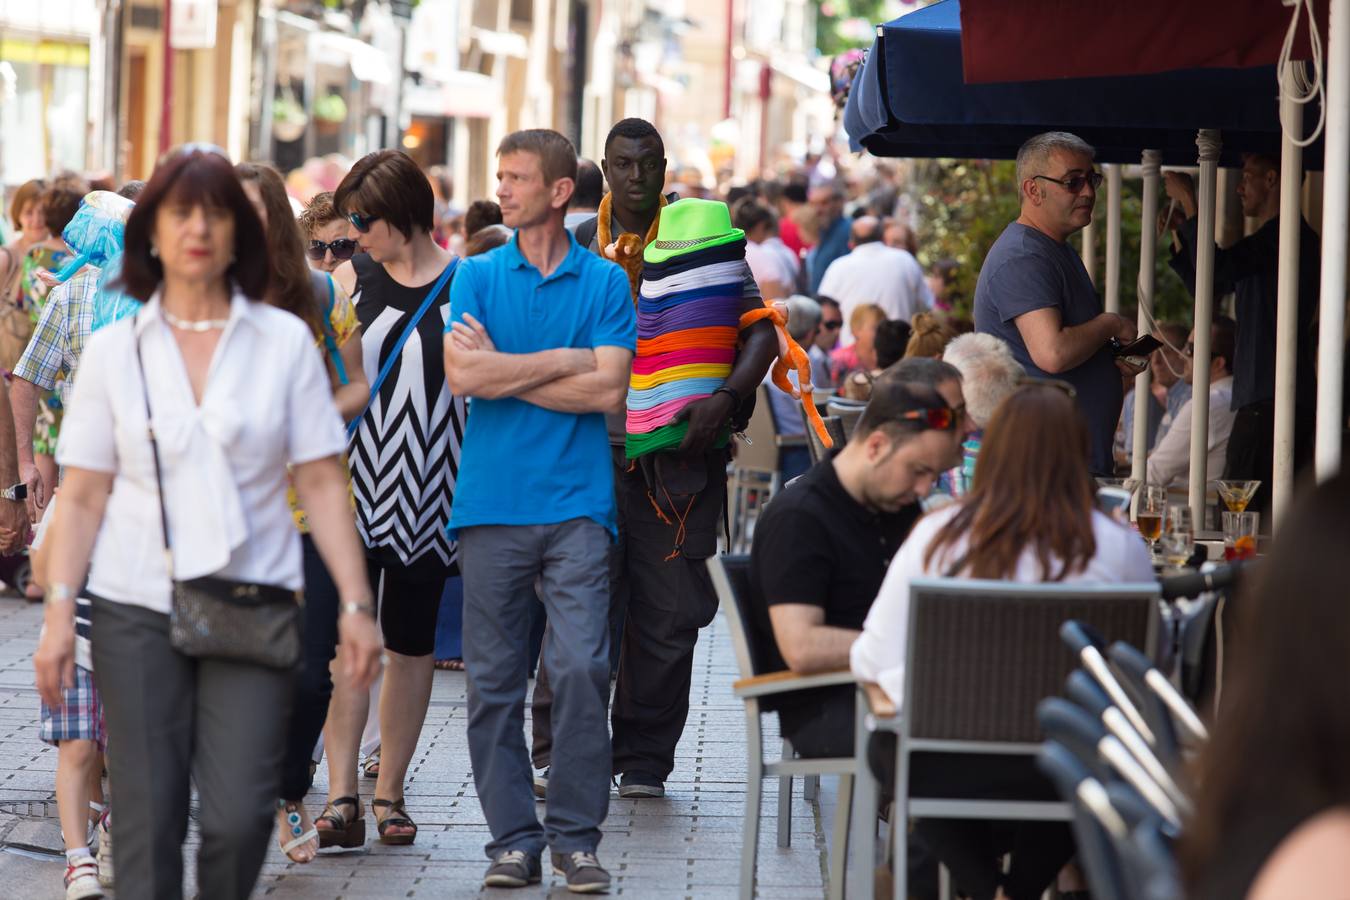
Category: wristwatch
<point>17,492</point>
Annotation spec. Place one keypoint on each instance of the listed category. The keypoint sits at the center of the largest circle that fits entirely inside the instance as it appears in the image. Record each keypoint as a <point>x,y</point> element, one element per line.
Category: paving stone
<point>685,847</point>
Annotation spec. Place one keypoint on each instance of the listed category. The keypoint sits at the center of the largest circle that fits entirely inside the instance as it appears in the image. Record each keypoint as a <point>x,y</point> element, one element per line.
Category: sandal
<point>371,767</point>
<point>396,817</point>
<point>336,829</point>
<point>299,837</point>
<point>450,665</point>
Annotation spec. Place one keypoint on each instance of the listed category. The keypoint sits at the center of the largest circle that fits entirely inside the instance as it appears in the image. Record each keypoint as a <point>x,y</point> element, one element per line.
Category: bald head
<point>865,230</point>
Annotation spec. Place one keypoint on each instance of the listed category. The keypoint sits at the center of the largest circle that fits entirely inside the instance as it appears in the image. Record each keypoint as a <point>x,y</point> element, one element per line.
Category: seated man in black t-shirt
<point>822,547</point>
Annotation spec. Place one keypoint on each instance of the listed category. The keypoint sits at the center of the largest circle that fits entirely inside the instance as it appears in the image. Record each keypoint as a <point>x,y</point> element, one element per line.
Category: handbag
<point>219,618</point>
<point>389,361</point>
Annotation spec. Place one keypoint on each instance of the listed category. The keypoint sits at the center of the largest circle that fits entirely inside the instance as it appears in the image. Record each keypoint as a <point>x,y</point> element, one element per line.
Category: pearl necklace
<point>196,325</point>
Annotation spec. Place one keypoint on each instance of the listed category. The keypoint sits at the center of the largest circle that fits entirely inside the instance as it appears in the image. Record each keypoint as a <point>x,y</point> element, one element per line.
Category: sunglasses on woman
<point>342,249</point>
<point>360,222</point>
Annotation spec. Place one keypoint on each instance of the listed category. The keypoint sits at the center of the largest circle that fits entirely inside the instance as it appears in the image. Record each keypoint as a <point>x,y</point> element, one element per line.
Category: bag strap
<point>398,348</point>
<point>154,454</point>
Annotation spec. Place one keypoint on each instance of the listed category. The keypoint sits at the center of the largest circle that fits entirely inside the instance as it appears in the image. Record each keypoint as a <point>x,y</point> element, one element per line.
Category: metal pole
<point>166,98</point>
<point>1286,300</point>
<point>1113,237</point>
<point>1209,144</point>
<point>1148,248</point>
<point>1089,251</point>
<point>1335,228</point>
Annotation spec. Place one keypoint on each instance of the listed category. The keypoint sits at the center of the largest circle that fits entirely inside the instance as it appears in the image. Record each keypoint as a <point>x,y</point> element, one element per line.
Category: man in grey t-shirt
<point>1034,292</point>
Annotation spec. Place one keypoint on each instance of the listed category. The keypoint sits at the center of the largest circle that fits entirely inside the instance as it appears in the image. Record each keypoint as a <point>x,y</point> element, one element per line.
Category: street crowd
<point>498,440</point>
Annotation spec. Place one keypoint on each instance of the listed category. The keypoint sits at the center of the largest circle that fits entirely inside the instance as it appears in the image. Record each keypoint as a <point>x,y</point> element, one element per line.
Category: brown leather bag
<point>16,325</point>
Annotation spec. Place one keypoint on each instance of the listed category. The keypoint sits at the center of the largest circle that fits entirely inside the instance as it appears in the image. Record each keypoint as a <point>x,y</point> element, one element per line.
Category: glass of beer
<point>1152,510</point>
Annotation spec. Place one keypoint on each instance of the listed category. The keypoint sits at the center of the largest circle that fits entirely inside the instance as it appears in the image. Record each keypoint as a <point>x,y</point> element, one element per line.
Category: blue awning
<point>910,99</point>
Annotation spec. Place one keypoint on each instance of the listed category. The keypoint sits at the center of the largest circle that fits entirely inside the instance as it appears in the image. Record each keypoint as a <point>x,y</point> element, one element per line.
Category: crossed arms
<point>566,379</point>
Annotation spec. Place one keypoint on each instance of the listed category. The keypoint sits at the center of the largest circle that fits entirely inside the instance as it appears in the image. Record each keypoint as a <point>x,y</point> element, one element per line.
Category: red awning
<point>1033,40</point>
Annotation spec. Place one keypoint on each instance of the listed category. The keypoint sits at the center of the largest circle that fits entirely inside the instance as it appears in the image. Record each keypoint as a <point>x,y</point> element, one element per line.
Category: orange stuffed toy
<point>790,356</point>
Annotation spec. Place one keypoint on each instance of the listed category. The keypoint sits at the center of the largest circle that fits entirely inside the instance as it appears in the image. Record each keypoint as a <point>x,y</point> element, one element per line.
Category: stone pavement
<point>686,846</point>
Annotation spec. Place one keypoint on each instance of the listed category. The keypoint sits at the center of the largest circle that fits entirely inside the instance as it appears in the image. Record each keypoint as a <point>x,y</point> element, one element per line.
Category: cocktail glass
<point>1237,494</point>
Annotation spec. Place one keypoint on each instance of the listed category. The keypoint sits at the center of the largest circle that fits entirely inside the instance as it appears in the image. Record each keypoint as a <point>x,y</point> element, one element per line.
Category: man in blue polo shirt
<point>541,337</point>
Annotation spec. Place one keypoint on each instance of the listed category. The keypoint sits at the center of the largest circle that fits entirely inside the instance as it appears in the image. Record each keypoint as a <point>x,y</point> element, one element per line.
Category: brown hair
<point>318,213</point>
<point>59,206</point>
<point>489,237</point>
<point>28,192</point>
<point>1280,741</point>
<point>929,335</point>
<point>290,287</point>
<point>389,185</point>
<point>557,156</point>
<point>481,214</point>
<point>1032,489</point>
<point>194,177</point>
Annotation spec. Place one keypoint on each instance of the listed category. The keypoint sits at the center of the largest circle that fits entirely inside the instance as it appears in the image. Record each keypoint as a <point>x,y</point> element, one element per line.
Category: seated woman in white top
<point>231,392</point>
<point>1029,517</point>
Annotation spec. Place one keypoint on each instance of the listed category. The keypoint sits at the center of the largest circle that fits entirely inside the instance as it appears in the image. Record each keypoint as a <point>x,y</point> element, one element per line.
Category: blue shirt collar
<point>570,265</point>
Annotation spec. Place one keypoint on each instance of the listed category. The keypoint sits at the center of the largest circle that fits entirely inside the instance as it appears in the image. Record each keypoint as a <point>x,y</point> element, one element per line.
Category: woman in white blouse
<point>237,394</point>
<point>1030,517</point>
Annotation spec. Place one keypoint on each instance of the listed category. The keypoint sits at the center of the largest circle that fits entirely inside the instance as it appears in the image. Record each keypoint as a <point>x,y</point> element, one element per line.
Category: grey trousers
<point>171,717</point>
<point>500,565</point>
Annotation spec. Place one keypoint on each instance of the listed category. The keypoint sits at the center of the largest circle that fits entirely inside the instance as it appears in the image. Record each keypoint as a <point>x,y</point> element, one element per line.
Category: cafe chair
<point>1146,679</point>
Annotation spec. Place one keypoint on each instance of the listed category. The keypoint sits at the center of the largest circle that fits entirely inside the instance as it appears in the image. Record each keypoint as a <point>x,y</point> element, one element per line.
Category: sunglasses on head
<point>1074,184</point>
<point>342,249</point>
<point>939,418</point>
<point>361,222</point>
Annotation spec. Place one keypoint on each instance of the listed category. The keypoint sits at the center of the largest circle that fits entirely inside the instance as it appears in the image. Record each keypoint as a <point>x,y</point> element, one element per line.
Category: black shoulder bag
<point>217,618</point>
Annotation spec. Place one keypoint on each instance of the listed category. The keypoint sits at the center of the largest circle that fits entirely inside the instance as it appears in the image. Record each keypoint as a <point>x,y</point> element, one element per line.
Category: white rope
<point>1304,89</point>
<point>1209,143</point>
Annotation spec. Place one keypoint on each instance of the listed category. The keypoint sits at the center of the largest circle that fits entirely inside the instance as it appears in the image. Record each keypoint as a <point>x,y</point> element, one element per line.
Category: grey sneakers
<point>513,869</point>
<point>584,873</point>
<point>516,868</point>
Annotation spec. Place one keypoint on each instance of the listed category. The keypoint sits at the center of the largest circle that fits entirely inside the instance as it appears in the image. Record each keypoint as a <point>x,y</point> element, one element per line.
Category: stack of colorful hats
<point>688,316</point>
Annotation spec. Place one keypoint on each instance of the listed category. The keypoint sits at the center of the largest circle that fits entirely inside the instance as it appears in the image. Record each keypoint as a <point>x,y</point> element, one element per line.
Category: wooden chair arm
<point>784,682</point>
<point>878,703</point>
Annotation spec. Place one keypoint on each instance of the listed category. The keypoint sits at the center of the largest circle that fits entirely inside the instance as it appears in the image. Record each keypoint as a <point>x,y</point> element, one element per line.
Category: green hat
<point>690,225</point>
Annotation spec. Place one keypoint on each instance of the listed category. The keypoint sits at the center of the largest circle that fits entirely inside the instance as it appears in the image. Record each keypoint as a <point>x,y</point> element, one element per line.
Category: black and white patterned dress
<point>405,455</point>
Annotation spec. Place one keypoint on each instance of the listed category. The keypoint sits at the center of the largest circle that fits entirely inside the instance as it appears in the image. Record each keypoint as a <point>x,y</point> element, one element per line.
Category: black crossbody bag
<point>219,618</point>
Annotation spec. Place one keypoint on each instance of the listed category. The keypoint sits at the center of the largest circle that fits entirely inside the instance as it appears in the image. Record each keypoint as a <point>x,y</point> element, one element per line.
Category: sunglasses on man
<point>1074,184</point>
<point>940,418</point>
<point>831,326</point>
<point>362,222</point>
<point>342,249</point>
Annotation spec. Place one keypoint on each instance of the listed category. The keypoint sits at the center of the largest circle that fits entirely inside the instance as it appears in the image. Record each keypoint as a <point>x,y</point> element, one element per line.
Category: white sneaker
<point>82,879</point>
<point>104,858</point>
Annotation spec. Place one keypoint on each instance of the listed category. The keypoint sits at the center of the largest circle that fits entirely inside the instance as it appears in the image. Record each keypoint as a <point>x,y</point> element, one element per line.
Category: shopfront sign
<point>193,26</point>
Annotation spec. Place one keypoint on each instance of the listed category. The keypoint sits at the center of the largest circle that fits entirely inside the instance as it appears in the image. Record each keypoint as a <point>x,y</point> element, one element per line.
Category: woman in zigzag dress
<point>404,456</point>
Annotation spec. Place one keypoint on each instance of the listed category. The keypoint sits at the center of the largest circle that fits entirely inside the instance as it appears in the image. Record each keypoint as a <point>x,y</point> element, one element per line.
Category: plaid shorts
<point>79,717</point>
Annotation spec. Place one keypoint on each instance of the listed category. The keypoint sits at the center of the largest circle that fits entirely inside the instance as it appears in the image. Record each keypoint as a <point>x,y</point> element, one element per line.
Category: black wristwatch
<point>18,492</point>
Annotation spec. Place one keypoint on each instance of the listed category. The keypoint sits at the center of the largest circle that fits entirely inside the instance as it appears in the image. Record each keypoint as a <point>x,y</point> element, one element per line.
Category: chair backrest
<point>848,411</point>
<point>731,580</point>
<point>761,454</point>
<point>982,654</point>
<point>834,427</point>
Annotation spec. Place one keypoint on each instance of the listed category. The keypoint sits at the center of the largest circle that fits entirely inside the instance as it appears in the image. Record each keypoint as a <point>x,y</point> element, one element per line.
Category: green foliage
<point>830,13</point>
<point>965,204</point>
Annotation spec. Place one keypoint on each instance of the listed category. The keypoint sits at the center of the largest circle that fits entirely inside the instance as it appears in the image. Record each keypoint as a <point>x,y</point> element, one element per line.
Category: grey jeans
<point>171,716</point>
<point>500,565</point>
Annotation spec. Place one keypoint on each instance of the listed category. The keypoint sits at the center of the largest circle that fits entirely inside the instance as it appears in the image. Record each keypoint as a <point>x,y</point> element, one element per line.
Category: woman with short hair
<point>176,447</point>
<point>325,232</point>
<point>404,456</point>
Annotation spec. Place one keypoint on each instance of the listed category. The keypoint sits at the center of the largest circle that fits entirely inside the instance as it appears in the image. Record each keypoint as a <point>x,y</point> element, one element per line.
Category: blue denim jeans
<point>501,565</point>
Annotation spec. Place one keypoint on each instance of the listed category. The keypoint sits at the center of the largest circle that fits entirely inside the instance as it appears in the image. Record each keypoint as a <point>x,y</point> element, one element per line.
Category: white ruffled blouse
<point>267,404</point>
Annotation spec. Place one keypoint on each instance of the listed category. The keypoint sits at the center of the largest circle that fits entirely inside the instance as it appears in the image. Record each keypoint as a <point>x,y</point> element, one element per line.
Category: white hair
<point>988,373</point>
<point>803,315</point>
<point>1034,154</point>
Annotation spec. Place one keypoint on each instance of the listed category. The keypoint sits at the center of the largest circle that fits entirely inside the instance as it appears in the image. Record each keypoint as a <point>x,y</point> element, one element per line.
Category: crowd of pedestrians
<point>503,447</point>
